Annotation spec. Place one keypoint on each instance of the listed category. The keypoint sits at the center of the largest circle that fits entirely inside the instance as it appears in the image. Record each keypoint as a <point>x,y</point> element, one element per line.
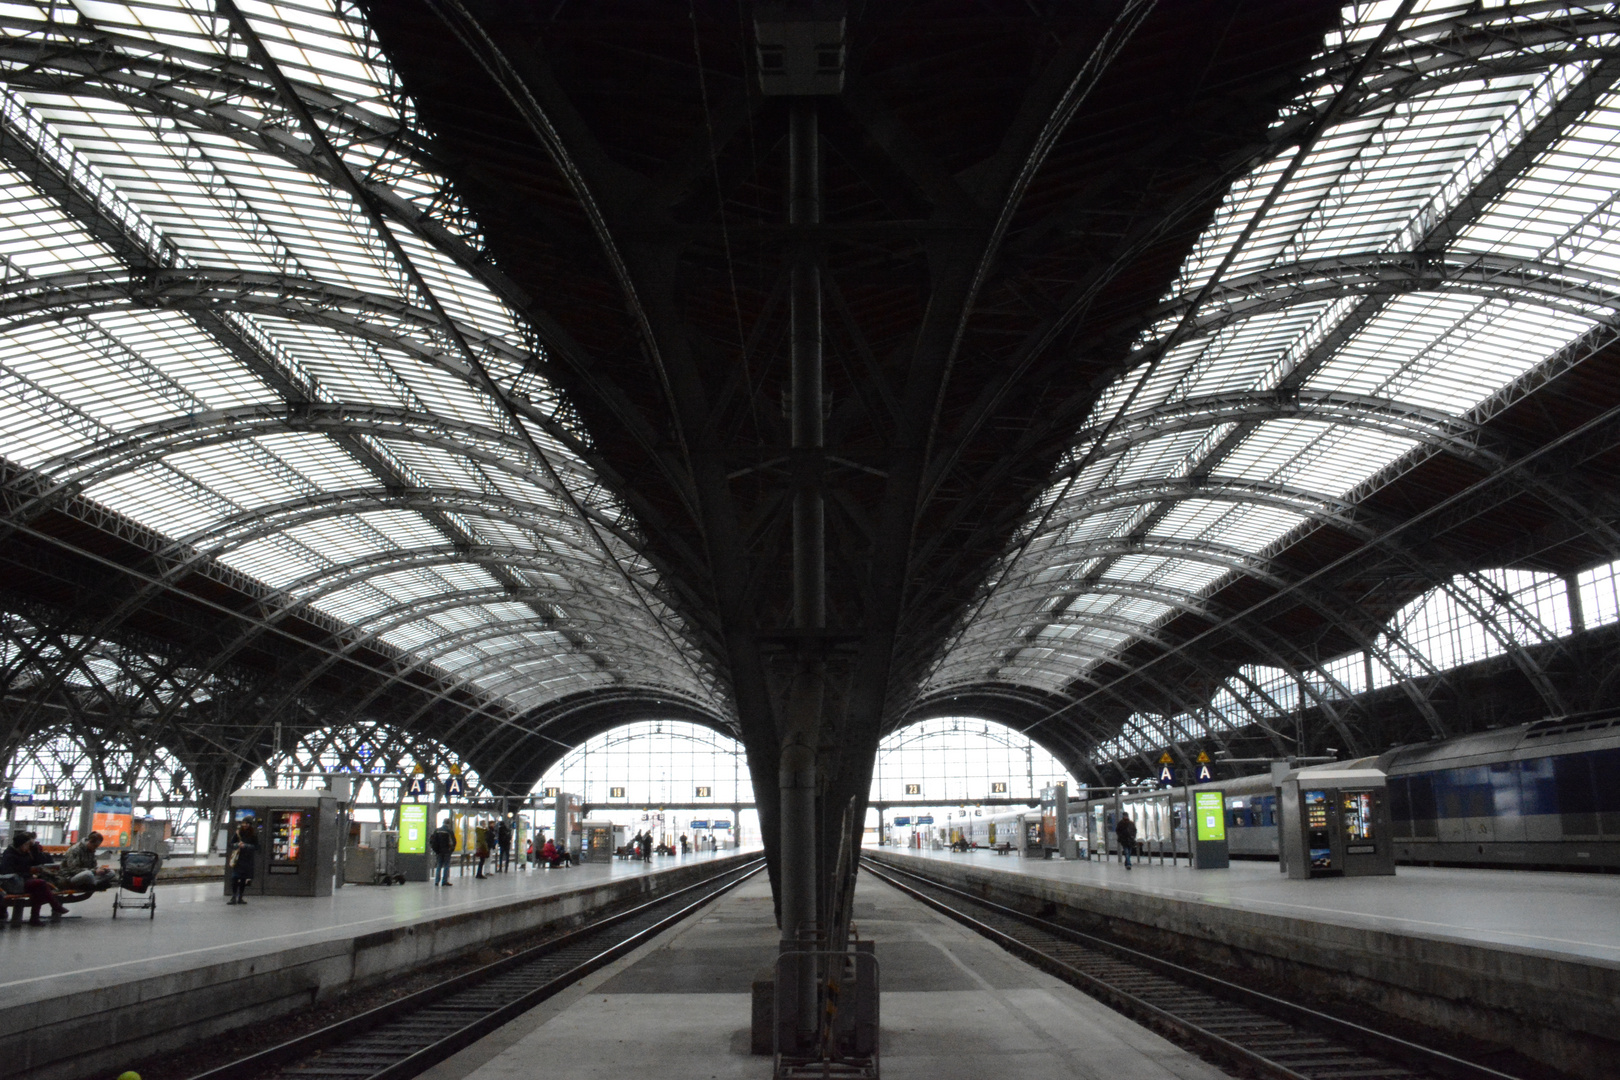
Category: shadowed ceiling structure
<point>430,362</point>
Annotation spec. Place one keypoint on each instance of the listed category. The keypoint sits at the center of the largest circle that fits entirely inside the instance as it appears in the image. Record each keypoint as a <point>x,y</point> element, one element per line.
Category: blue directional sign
<point>902,821</point>
<point>926,819</point>
<point>700,825</point>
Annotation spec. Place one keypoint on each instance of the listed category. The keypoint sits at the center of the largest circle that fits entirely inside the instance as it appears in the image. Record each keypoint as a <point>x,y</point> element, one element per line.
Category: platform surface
<point>194,926</point>
<point>953,1007</point>
<point>1561,914</point>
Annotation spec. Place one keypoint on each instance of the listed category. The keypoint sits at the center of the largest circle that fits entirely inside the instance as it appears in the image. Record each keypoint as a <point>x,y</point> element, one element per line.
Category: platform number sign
<point>998,787</point>
<point>913,789</point>
<point>552,793</point>
<point>455,787</point>
<point>1167,776</point>
<point>704,793</point>
<point>1204,775</point>
<point>616,793</point>
<point>418,787</point>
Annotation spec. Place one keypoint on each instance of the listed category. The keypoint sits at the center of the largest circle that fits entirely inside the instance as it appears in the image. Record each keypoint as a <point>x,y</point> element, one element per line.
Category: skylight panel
<point>155,493</point>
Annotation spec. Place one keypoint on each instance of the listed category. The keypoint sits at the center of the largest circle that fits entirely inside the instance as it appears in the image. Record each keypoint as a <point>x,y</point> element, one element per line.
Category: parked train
<point>1544,794</point>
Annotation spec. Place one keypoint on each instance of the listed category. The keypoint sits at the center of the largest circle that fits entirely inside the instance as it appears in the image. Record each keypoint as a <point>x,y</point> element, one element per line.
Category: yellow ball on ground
<point>130,1075</point>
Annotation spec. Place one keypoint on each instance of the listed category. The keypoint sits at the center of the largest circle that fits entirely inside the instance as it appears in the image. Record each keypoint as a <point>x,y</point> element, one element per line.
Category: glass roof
<point>201,331</point>
<point>1449,232</point>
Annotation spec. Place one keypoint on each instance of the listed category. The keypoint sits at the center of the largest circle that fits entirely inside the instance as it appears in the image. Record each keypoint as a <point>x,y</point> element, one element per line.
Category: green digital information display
<point>413,828</point>
<point>1209,808</point>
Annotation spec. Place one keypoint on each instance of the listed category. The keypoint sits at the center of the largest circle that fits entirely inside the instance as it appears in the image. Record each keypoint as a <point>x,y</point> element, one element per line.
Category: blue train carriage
<point>1545,794</point>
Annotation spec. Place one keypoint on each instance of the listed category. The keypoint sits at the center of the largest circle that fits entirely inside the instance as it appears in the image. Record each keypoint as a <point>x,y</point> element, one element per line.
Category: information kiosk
<point>298,839</point>
<point>414,862</point>
<point>567,836</point>
<point>1209,831</point>
<point>1334,822</point>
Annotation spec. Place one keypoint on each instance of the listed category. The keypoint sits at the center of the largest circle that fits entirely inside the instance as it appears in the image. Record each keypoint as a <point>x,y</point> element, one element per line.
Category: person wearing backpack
<point>442,843</point>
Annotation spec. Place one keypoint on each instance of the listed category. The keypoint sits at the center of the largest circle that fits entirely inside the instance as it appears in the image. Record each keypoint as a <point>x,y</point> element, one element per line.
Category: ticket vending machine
<point>298,839</point>
<point>1333,821</point>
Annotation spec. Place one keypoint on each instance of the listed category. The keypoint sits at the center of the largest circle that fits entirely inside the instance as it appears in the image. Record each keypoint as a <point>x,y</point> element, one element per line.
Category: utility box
<point>1334,822</point>
<point>298,839</point>
<point>1209,851</point>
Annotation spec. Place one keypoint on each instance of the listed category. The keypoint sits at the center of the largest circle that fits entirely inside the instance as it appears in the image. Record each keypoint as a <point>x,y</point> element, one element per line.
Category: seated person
<point>554,856</point>
<point>78,868</point>
<point>23,858</point>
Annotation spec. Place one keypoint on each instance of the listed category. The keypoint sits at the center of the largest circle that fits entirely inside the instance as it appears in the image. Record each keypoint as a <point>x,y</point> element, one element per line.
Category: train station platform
<point>953,1007</point>
<point>1509,957</point>
<point>86,995</point>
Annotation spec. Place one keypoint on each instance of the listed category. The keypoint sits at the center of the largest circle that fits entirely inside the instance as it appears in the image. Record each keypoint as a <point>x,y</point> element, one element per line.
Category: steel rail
<point>400,1056</point>
<point>1191,1002</point>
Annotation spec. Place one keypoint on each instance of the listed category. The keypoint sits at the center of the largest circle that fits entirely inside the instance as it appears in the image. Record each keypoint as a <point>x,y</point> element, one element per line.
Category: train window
<point>1420,793</point>
<point>1505,788</point>
<point>1464,792</point>
<point>1577,801</point>
<point>1538,793</point>
<point>1400,806</point>
<point>1606,782</point>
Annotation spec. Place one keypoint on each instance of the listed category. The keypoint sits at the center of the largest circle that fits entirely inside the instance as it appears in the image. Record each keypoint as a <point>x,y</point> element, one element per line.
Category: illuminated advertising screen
<point>1209,808</point>
<point>112,814</point>
<point>413,828</point>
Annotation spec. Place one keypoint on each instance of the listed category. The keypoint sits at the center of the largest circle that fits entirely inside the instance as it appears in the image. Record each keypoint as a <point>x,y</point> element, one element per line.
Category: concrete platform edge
<point>134,1019</point>
<point>1559,1010</point>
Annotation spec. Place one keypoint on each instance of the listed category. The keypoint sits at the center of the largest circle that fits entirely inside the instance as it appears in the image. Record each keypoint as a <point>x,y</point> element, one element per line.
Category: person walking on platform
<point>1126,832</point>
<point>503,842</point>
<point>243,855</point>
<point>442,843</point>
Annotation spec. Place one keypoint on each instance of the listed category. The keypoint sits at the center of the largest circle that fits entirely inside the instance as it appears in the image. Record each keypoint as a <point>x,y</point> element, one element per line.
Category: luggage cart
<point>137,872</point>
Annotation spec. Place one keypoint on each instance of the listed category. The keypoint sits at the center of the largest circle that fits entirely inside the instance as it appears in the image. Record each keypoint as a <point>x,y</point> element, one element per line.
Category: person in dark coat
<point>244,853</point>
<point>503,844</point>
<point>24,858</point>
<point>442,843</point>
<point>1126,832</point>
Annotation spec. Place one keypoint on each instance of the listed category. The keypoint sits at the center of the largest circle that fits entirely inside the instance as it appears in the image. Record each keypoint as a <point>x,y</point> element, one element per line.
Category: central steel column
<point>798,762</point>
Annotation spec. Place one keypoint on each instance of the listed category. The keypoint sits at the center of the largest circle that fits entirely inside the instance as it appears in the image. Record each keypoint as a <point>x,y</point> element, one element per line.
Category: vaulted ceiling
<point>428,360</point>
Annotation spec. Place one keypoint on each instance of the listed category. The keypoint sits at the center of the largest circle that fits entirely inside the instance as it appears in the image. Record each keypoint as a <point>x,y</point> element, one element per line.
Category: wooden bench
<point>18,901</point>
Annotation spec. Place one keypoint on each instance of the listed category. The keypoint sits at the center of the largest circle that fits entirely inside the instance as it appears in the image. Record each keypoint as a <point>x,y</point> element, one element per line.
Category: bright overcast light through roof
<point>206,334</point>
<point>1316,369</point>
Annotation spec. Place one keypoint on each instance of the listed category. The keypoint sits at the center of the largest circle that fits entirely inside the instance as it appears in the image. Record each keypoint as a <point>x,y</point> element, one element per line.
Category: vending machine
<point>297,839</point>
<point>1333,821</point>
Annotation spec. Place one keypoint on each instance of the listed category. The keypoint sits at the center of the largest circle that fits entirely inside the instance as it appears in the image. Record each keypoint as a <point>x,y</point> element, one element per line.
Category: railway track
<point>408,1036</point>
<point>1257,1033</point>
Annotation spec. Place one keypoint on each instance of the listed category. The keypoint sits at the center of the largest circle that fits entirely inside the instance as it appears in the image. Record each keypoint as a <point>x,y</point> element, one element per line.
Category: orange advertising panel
<point>112,814</point>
